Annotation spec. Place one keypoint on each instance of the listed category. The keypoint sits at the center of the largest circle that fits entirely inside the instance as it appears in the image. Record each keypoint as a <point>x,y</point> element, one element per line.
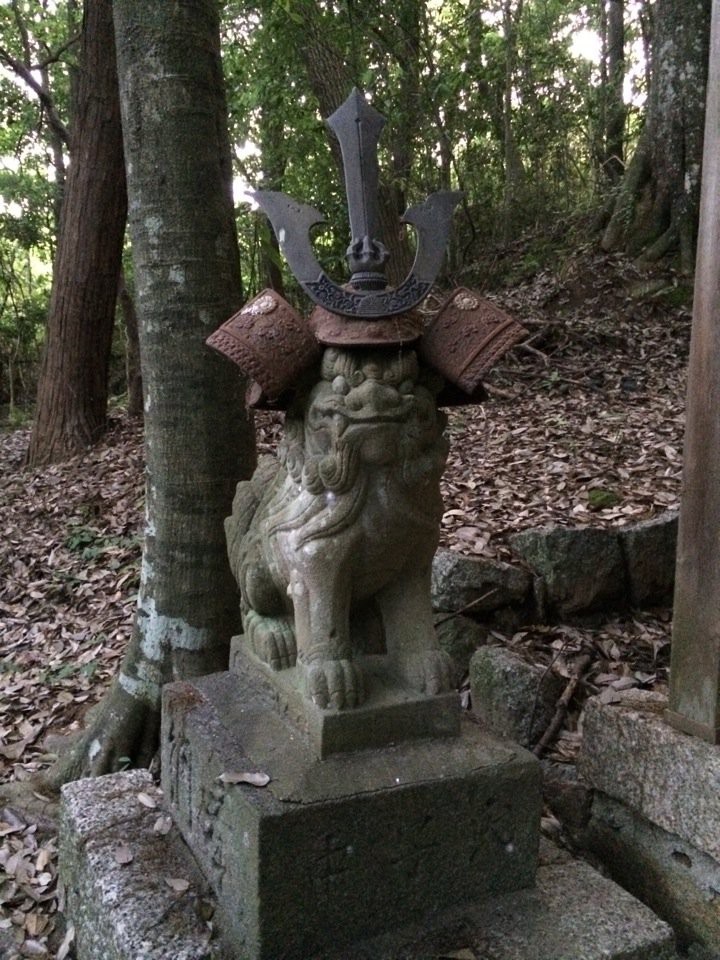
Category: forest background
<point>561,121</point>
<point>569,127</point>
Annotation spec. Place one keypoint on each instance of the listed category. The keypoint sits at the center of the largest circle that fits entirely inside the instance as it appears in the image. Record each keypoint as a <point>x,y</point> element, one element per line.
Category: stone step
<point>126,911</point>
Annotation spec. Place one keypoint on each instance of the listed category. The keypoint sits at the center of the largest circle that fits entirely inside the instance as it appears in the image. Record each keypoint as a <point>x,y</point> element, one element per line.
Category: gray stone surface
<point>572,913</point>
<point>460,637</point>
<point>676,880</point>
<point>390,713</point>
<point>349,523</point>
<point>583,569</point>
<point>458,580</point>
<point>668,777</point>
<point>335,850</point>
<point>649,548</point>
<point>128,911</point>
<point>514,698</point>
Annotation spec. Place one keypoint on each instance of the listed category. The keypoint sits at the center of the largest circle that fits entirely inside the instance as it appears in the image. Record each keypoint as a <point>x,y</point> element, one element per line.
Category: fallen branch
<point>498,392</point>
<point>562,705</point>
<point>468,606</point>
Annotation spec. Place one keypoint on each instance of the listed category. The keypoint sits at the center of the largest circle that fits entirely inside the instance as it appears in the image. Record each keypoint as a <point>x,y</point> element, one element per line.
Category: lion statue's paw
<point>334,683</point>
<point>429,671</point>
<point>272,639</point>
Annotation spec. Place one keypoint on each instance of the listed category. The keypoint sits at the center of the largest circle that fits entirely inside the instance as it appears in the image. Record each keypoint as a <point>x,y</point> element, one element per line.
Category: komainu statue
<point>348,522</point>
<point>332,545</point>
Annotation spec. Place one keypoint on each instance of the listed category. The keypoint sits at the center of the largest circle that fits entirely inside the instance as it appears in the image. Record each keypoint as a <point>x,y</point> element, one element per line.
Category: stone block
<point>650,548</point>
<point>514,698</point>
<point>572,913</point>
<point>390,714</point>
<point>668,777</point>
<point>332,851</point>
<point>123,911</point>
<point>458,580</point>
<point>459,637</point>
<point>583,569</point>
<point>675,879</point>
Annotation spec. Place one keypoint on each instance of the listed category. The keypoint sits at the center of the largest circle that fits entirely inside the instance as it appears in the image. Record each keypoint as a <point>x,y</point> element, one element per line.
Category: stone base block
<point>513,698</point>
<point>127,912</point>
<point>676,880</point>
<point>334,851</point>
<point>117,869</point>
<point>390,714</point>
<point>667,777</point>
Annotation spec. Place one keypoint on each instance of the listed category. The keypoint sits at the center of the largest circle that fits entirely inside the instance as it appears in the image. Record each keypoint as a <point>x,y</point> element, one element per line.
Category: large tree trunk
<point>72,388</point>
<point>198,439</point>
<point>657,204</point>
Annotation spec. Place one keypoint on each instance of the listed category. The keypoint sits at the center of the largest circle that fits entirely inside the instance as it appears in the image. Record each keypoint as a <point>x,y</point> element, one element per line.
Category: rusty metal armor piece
<point>338,331</point>
<point>269,341</point>
<point>467,337</point>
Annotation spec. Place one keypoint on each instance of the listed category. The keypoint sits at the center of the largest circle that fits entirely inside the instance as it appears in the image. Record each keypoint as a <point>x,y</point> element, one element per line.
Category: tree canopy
<point>533,108</point>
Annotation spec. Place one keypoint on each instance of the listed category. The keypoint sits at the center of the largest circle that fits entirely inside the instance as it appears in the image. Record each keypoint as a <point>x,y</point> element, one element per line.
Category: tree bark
<point>199,441</point>
<point>513,165</point>
<point>133,373</point>
<point>274,161</point>
<point>331,80</point>
<point>72,387</point>
<point>658,200</point>
<point>613,162</point>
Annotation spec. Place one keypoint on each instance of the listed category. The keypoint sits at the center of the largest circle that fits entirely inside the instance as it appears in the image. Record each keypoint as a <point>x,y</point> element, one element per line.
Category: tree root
<point>122,732</point>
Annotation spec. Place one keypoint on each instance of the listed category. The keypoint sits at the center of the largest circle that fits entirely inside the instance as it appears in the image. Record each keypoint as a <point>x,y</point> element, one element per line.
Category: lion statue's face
<point>372,407</point>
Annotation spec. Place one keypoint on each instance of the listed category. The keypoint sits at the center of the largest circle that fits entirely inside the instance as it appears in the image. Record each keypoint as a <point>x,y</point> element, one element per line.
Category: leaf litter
<point>583,427</point>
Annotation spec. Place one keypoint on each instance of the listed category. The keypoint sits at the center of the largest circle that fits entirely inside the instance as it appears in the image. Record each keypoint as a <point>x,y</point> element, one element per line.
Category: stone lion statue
<point>340,532</point>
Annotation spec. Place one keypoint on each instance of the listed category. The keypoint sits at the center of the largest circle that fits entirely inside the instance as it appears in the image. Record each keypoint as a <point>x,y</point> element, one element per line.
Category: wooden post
<point>695,667</point>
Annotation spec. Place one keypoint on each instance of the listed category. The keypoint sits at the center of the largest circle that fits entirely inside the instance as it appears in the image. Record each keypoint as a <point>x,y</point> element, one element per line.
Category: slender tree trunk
<point>133,373</point>
<point>331,80</point>
<point>614,103</point>
<point>274,161</point>
<point>514,170</point>
<point>73,384</point>
<point>199,441</point>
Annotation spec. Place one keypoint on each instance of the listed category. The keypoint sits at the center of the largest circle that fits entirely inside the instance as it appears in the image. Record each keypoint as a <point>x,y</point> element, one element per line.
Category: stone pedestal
<point>391,714</point>
<point>127,911</point>
<point>337,850</point>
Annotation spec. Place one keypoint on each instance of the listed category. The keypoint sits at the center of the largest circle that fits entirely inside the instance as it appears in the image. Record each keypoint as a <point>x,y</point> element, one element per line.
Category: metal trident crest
<point>357,127</point>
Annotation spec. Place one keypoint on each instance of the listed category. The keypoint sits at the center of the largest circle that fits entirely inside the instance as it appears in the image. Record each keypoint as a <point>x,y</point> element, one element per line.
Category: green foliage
<point>37,47</point>
<point>91,544</point>
<point>599,498</point>
<point>443,75</point>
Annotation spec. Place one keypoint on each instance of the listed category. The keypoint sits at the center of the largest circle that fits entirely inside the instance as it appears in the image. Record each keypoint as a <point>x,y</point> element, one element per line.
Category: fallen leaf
<point>64,948</point>
<point>254,779</point>
<point>123,854</point>
<point>163,825</point>
<point>178,884</point>
<point>147,801</point>
<point>33,948</point>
